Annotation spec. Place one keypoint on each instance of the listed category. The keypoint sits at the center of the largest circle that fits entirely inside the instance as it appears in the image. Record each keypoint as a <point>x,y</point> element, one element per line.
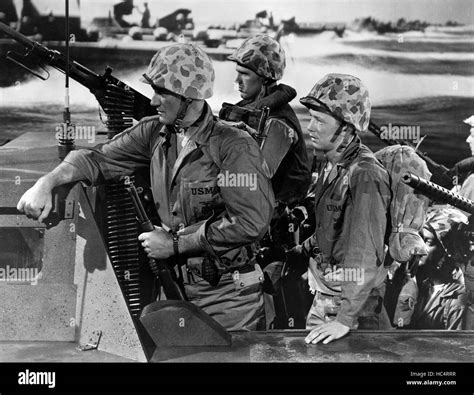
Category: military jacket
<point>216,192</point>
<point>351,209</point>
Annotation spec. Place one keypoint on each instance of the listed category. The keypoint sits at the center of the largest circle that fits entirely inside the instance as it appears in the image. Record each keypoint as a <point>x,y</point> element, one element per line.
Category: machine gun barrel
<point>436,192</point>
<point>159,268</point>
<point>99,85</point>
<point>17,35</point>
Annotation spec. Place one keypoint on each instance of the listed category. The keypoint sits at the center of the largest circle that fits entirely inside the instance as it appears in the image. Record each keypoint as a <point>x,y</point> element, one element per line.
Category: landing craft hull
<point>84,297</point>
<point>277,346</point>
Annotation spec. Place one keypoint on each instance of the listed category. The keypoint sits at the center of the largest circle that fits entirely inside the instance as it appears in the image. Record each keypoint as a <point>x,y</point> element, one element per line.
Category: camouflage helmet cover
<point>442,219</point>
<point>184,69</point>
<point>345,96</point>
<point>261,54</point>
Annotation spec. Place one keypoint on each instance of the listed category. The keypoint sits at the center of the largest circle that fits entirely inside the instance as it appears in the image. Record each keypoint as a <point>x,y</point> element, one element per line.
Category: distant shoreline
<point>438,117</point>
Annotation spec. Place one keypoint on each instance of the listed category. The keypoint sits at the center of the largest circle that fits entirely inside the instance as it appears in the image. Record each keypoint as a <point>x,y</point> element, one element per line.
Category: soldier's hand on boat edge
<point>37,201</point>
<point>327,332</point>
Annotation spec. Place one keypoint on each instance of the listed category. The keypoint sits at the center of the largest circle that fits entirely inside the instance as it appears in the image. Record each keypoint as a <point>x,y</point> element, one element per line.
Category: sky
<point>231,11</point>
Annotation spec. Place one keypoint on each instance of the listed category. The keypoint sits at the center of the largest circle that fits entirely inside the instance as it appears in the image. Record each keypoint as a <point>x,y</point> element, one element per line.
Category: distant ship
<point>106,38</point>
<point>110,37</point>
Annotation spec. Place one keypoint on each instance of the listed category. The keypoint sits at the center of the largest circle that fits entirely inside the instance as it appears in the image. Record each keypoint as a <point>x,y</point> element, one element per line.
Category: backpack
<point>407,208</point>
<point>407,217</point>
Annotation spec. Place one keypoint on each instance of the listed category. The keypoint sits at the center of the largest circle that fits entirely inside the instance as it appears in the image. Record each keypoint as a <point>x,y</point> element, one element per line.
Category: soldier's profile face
<point>321,129</point>
<point>167,106</point>
<point>431,245</point>
<point>248,82</point>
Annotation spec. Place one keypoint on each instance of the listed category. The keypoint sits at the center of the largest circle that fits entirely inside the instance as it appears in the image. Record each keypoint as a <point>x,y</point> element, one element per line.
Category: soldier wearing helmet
<point>187,151</point>
<point>442,301</point>
<point>352,198</point>
<point>260,63</point>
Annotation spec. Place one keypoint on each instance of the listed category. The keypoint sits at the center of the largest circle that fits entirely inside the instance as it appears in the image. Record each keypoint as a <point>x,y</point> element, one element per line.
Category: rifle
<point>441,169</point>
<point>255,118</point>
<point>261,135</point>
<point>438,193</point>
<point>118,100</point>
<point>159,268</point>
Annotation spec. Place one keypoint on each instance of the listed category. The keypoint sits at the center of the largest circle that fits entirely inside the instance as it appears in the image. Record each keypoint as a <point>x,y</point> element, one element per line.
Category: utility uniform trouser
<point>373,315</point>
<point>236,302</point>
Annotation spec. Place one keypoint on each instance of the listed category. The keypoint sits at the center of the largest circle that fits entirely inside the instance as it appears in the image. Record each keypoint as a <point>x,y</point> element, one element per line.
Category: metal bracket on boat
<point>17,58</point>
<point>93,343</point>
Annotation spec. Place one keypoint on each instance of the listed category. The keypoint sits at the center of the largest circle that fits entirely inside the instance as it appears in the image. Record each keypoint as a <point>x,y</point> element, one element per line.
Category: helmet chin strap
<point>337,133</point>
<point>348,136</point>
<point>183,108</point>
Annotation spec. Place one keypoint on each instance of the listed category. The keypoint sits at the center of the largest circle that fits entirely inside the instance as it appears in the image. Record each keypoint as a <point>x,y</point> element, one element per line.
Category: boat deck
<point>276,346</point>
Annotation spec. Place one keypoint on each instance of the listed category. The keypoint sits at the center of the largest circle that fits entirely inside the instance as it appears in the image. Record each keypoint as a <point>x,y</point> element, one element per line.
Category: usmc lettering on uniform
<point>37,378</point>
<point>203,190</point>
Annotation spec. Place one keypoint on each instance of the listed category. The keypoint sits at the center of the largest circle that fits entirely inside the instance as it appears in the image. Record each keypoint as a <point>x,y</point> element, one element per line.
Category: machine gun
<point>159,268</point>
<point>442,170</point>
<point>119,101</point>
<point>438,193</point>
<point>161,318</point>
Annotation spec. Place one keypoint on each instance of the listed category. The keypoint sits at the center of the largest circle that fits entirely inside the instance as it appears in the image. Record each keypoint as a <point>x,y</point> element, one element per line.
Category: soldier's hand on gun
<point>243,126</point>
<point>327,332</point>
<point>36,202</point>
<point>157,244</point>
